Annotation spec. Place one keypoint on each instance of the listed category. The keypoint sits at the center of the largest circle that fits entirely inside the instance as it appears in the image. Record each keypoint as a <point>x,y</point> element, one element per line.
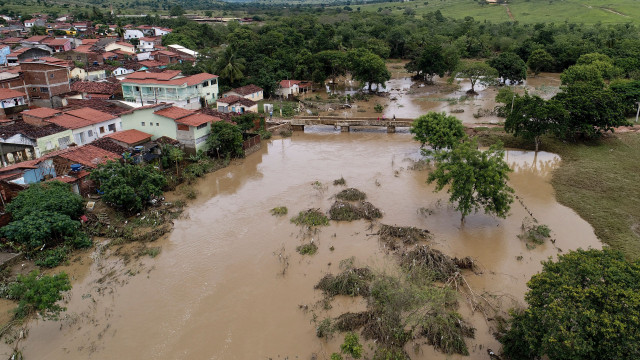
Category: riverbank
<point>598,180</point>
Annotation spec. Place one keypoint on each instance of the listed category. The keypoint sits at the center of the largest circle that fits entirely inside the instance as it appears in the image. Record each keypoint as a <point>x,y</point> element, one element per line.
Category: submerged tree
<point>368,67</point>
<point>540,60</point>
<point>225,140</point>
<point>476,179</point>
<point>437,130</point>
<point>477,73</point>
<point>584,306</point>
<point>509,66</point>
<point>36,293</point>
<point>532,117</point>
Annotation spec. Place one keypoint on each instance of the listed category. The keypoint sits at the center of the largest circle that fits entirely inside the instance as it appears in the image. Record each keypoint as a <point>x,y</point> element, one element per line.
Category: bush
<point>378,108</point>
<point>45,228</point>
<point>279,211</point>
<point>311,217</point>
<point>307,249</point>
<point>37,293</point>
<point>352,346</point>
<point>53,257</point>
<point>225,140</point>
<point>351,194</point>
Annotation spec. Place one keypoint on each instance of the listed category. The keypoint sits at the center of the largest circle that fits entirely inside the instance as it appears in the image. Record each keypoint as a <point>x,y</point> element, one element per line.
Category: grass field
<point>525,11</point>
<point>600,181</point>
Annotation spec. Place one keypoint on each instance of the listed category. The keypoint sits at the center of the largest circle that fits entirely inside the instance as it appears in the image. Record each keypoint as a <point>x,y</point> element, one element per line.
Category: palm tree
<point>229,67</point>
<point>120,31</point>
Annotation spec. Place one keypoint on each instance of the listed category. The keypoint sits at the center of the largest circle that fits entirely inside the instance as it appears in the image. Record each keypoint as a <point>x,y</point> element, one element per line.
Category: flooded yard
<point>229,283</point>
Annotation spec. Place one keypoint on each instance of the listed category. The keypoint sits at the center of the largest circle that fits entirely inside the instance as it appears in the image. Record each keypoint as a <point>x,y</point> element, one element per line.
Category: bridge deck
<point>352,121</point>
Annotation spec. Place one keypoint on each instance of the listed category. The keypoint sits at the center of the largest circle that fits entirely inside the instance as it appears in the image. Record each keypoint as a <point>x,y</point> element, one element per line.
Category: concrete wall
<point>52,142</point>
<point>162,126</point>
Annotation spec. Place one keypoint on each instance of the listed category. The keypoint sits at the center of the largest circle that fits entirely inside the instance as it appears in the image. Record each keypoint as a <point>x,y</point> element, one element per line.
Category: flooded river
<point>229,284</point>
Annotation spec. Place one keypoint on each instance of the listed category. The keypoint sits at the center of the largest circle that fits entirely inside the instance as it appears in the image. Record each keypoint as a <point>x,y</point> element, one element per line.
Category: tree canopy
<point>127,186</point>
<point>437,130</point>
<point>583,306</point>
<point>477,73</point>
<point>509,66</point>
<point>533,117</point>
<point>36,293</point>
<point>368,67</point>
<point>475,179</point>
<point>225,140</point>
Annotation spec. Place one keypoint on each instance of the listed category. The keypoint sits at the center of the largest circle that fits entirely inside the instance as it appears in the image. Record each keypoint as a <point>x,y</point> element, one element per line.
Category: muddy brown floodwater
<point>217,289</point>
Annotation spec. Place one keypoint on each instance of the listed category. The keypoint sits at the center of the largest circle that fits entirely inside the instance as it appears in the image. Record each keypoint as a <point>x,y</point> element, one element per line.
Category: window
<point>34,89</point>
<point>201,126</point>
<point>101,129</point>
<point>52,76</point>
<point>137,88</point>
<point>157,124</point>
<point>112,127</point>
<point>188,101</point>
<point>142,123</point>
<point>44,90</point>
<point>90,133</point>
<point>150,124</point>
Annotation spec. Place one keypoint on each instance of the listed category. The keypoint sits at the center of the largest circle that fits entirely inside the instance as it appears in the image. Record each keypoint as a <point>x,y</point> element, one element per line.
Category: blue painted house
<point>4,51</point>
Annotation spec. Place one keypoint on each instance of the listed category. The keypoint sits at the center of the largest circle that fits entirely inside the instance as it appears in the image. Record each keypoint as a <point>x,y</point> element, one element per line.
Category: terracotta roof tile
<point>89,155</point>
<point>31,131</point>
<point>288,83</point>
<point>69,121</point>
<point>41,112</point>
<point>233,99</point>
<point>95,116</point>
<point>36,39</point>
<point>197,119</point>
<point>54,42</point>
<point>9,93</point>
<point>108,144</point>
<point>96,87</point>
<point>174,112</point>
<point>247,90</point>
<point>101,105</point>
<point>130,136</point>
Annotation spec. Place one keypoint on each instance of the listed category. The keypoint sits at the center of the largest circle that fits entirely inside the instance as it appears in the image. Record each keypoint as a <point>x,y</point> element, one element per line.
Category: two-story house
<point>170,86</point>
<point>148,44</point>
<point>21,138</point>
<point>188,127</point>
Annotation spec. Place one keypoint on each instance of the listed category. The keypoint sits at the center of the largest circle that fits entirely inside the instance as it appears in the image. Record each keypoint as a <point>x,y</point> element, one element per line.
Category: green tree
<point>127,186</point>
<point>351,345</point>
<point>40,294</point>
<point>225,140</point>
<point>591,111</point>
<point>368,67</point>
<point>38,30</point>
<point>533,117</point>
<point>176,10</point>
<point>229,67</point>
<point>176,155</point>
<point>476,179</point>
<point>540,60</point>
<point>437,130</point>
<point>477,73</point>
<point>43,214</point>
<point>584,306</point>
<point>120,31</point>
<point>509,66</point>
<point>589,74</point>
<point>628,91</point>
<point>430,62</point>
<point>330,64</point>
<point>603,63</point>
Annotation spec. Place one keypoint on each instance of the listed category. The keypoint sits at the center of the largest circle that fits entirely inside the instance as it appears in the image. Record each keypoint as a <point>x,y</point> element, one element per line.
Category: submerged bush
<point>311,217</point>
<point>351,194</point>
<point>351,282</point>
<point>279,211</point>
<point>307,249</point>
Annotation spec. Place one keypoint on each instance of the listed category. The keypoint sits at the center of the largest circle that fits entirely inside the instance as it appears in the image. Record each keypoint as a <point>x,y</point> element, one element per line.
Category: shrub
<point>279,211</point>
<point>40,294</point>
<point>307,249</point>
<point>352,346</point>
<point>311,217</point>
<point>53,257</point>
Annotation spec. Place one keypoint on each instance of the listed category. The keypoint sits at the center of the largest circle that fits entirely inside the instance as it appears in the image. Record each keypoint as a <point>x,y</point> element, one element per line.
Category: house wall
<point>33,176</point>
<point>114,46</point>
<point>3,55</point>
<point>162,126</point>
<point>194,139</point>
<point>52,142</point>
<point>133,34</point>
<point>44,81</point>
<point>184,97</point>
<point>85,58</point>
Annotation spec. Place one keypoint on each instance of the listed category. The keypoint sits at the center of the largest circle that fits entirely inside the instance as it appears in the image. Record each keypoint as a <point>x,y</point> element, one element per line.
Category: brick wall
<point>44,81</point>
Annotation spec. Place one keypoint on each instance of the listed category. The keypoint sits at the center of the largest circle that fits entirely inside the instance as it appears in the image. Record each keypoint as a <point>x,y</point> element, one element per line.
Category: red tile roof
<point>174,112</point>
<point>85,49</point>
<point>41,112</point>
<point>9,94</point>
<point>95,116</point>
<point>56,42</point>
<point>150,38</point>
<point>197,119</point>
<point>69,122</point>
<point>89,155</point>
<point>89,41</point>
<point>36,39</point>
<point>151,63</point>
<point>233,99</point>
<point>247,90</point>
<point>95,87</point>
<point>288,83</point>
<point>130,136</point>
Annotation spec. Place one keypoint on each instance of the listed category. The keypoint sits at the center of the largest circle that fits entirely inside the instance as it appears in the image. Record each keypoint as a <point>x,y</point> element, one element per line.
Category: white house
<point>288,88</point>
<point>161,31</point>
<point>87,124</point>
<point>120,72</point>
<point>236,104</point>
<point>251,92</point>
<point>147,44</point>
<point>133,34</point>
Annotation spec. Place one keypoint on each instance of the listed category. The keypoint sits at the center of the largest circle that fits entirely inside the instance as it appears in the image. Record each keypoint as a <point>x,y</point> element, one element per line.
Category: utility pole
<point>638,112</point>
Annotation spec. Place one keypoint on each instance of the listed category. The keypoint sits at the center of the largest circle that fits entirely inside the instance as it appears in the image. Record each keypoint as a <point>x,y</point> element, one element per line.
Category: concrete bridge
<point>298,123</point>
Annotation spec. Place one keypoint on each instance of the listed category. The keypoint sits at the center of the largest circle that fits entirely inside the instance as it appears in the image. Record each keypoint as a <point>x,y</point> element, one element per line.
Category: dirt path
<point>509,12</point>
<point>613,11</point>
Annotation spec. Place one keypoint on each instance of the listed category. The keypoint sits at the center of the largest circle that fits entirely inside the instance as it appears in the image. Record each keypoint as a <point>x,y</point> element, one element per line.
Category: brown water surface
<point>217,289</point>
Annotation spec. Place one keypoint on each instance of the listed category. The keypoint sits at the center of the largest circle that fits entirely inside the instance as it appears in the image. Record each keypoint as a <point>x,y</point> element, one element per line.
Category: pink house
<point>58,45</point>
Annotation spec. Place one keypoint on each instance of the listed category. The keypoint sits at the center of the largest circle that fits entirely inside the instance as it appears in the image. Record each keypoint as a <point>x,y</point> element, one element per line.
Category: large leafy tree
<point>509,66</point>
<point>43,214</point>
<point>368,67</point>
<point>429,62</point>
<point>225,140</point>
<point>584,306</point>
<point>230,67</point>
<point>329,64</point>
<point>437,130</point>
<point>127,186</point>
<point>540,60</point>
<point>591,111</point>
<point>477,73</point>
<point>533,117</point>
<point>475,179</point>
